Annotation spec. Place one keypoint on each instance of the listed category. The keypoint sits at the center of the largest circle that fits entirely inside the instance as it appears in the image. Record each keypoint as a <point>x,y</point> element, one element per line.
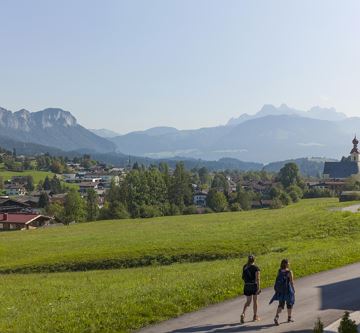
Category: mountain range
<point>273,134</point>
<point>51,127</point>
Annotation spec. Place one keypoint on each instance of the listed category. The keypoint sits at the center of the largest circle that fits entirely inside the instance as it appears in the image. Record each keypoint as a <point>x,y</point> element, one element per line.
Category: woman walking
<point>284,290</point>
<point>251,277</point>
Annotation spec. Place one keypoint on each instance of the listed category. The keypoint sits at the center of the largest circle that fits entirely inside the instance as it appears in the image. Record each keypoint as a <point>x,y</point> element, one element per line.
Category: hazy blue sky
<point>129,65</point>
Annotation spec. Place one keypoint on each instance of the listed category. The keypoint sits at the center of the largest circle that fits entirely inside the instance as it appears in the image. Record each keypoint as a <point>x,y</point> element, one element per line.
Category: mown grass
<point>125,300</point>
<point>312,236</point>
<point>133,243</point>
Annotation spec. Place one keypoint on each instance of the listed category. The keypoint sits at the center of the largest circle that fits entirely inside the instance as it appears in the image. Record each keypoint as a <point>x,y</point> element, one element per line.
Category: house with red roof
<point>22,221</point>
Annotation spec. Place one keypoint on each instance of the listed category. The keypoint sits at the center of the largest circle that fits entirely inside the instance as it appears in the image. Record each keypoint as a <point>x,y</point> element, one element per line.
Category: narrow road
<point>353,208</point>
<point>326,295</point>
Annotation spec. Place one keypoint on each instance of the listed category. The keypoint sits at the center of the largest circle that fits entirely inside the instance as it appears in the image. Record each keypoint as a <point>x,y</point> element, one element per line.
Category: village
<point>25,206</point>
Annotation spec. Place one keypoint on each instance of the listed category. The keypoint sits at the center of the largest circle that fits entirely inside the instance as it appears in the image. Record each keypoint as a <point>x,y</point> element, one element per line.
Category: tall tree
<point>216,200</point>
<point>30,183</point>
<point>180,192</point>
<point>73,207</point>
<point>289,174</point>
<point>44,200</point>
<point>92,208</point>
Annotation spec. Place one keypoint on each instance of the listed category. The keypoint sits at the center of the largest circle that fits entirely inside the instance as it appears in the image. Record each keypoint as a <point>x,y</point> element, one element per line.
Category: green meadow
<point>154,269</point>
<point>37,176</point>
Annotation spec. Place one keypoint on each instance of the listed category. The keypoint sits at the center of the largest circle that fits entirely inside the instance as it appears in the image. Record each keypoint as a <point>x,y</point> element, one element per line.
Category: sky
<point>132,65</point>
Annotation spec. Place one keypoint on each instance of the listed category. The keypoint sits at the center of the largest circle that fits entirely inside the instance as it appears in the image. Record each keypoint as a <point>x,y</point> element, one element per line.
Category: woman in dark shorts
<point>251,277</point>
<point>284,290</point>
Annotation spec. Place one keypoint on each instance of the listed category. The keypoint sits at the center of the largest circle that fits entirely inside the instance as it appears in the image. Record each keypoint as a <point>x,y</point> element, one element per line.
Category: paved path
<point>353,208</point>
<point>326,295</point>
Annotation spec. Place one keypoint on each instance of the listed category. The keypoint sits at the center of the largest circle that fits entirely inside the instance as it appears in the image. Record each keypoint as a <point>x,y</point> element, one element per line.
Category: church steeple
<point>355,151</point>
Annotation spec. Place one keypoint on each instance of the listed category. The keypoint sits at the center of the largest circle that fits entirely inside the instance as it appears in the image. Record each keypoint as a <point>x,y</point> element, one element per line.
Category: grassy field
<point>121,300</point>
<point>37,176</point>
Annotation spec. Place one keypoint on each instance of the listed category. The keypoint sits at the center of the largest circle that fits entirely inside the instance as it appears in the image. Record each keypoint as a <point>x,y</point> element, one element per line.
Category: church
<point>347,167</point>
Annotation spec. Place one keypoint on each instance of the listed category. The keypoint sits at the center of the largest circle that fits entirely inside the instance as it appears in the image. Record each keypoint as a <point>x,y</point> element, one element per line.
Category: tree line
<point>159,191</point>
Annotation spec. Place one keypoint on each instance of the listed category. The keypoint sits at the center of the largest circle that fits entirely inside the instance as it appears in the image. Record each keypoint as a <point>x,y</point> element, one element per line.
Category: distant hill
<point>51,127</point>
<point>309,167</point>
<point>104,133</point>
<point>265,139</point>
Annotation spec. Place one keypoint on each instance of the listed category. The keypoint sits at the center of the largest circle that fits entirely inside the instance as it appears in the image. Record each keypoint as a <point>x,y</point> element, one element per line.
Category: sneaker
<point>242,319</point>
<point>256,318</point>
<point>290,320</point>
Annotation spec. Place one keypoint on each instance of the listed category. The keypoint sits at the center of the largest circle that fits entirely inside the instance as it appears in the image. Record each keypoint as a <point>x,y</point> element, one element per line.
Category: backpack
<point>282,282</point>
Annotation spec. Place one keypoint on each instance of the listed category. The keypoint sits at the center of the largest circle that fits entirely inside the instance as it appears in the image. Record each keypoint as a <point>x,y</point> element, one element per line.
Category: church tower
<point>354,154</point>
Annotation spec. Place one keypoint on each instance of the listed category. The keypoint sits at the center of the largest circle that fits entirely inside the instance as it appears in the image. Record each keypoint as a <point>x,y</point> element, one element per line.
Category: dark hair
<point>251,259</point>
<point>284,264</point>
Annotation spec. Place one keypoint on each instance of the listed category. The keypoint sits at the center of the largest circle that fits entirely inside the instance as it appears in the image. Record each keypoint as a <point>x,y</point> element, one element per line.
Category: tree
<point>289,175</point>
<point>180,191</point>
<point>92,208</point>
<point>216,200</point>
<point>46,184</point>
<point>55,185</point>
<point>1,183</point>
<point>30,183</point>
<point>347,325</point>
<point>43,200</point>
<point>244,198</point>
<point>57,167</point>
<point>204,175</point>
<point>220,182</point>
<point>73,207</point>
<point>55,209</point>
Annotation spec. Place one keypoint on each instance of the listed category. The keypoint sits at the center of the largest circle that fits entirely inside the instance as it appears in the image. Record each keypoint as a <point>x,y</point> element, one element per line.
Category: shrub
<point>294,196</point>
<point>189,210</point>
<point>147,211</point>
<point>171,209</point>
<point>319,326</point>
<point>208,210</point>
<point>235,207</point>
<point>347,325</point>
<point>318,193</point>
<point>276,203</point>
<point>285,198</point>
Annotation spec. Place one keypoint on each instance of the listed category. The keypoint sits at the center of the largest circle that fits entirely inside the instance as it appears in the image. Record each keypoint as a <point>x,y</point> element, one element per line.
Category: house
<point>84,186</point>
<point>20,221</point>
<point>349,196</point>
<point>199,199</point>
<point>58,198</point>
<point>32,201</point>
<point>11,205</point>
<point>347,167</point>
<point>15,190</point>
<point>333,185</point>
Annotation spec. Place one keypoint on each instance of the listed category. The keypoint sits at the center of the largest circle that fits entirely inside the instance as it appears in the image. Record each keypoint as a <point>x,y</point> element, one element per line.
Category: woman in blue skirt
<point>284,291</point>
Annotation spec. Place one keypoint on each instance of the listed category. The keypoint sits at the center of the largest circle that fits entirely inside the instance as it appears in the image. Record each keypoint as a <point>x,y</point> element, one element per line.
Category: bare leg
<point>276,319</point>
<point>246,305</point>
<point>289,311</point>
<point>255,307</point>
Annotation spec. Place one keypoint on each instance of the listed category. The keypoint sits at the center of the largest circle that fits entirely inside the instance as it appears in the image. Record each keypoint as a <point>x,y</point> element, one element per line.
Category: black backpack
<point>282,282</point>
